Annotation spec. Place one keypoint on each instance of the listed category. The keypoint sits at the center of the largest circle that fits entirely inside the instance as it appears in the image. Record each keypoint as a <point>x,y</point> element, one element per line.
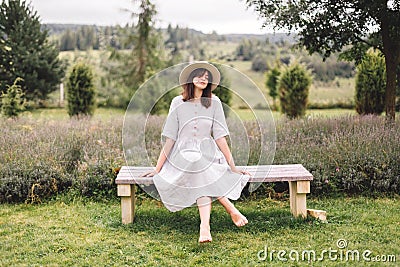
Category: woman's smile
<point>201,82</point>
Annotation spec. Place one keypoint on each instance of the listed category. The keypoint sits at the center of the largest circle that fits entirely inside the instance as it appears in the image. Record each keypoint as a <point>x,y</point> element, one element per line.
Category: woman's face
<point>201,81</point>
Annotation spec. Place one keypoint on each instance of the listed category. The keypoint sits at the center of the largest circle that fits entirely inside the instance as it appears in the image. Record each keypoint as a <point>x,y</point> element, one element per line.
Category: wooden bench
<point>298,177</point>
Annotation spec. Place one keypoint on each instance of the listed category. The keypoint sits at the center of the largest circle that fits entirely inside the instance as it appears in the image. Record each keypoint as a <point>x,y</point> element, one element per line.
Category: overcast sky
<point>223,16</point>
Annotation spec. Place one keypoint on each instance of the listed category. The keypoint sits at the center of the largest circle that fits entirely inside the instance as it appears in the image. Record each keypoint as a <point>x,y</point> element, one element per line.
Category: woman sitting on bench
<point>195,165</point>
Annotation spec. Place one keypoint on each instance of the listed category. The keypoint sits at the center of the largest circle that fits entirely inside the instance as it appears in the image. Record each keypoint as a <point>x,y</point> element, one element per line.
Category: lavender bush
<point>353,155</point>
<point>43,157</point>
<point>40,158</point>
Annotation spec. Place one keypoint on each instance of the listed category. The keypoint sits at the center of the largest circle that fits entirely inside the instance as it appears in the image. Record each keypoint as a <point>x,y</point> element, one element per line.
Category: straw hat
<point>216,76</point>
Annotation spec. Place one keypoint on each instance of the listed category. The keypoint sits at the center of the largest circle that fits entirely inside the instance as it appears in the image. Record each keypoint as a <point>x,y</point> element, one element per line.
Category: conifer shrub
<point>294,85</point>
<point>13,101</point>
<point>371,84</point>
<point>80,91</point>
<point>272,82</point>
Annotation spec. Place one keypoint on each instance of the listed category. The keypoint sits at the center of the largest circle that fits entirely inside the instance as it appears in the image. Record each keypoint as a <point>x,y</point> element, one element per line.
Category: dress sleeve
<point>219,126</point>
<point>171,126</point>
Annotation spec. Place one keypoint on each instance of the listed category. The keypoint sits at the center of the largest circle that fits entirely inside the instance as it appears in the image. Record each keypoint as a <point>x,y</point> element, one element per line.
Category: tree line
<point>84,37</point>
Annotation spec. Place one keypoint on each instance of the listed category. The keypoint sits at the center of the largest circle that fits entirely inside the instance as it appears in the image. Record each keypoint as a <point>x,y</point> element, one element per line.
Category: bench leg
<point>298,191</point>
<point>127,194</point>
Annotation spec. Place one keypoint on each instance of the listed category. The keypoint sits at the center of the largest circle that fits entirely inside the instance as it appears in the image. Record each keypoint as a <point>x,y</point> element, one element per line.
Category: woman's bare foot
<point>205,235</point>
<point>238,218</point>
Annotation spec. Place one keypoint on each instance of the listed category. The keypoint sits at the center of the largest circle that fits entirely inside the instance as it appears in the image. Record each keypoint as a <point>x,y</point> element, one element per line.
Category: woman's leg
<point>204,205</point>
<point>238,218</point>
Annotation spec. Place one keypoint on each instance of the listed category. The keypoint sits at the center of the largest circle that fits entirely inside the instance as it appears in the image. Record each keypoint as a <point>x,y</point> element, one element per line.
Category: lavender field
<point>43,156</point>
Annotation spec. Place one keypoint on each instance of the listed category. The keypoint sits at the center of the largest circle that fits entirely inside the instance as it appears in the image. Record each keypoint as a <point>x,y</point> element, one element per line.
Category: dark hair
<point>188,88</point>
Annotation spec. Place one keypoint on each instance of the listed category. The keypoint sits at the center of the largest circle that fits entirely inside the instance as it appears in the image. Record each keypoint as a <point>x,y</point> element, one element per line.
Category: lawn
<point>62,114</point>
<point>79,232</point>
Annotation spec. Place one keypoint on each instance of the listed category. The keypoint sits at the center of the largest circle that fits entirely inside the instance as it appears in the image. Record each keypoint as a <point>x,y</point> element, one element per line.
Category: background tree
<point>223,90</point>
<point>145,57</point>
<point>26,52</point>
<point>80,91</point>
<point>68,41</point>
<point>370,84</point>
<point>328,26</point>
<point>272,82</point>
<point>259,63</point>
<point>13,101</point>
<point>294,86</point>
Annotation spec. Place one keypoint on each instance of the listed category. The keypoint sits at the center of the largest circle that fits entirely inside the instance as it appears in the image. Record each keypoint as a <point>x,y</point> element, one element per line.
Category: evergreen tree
<point>223,90</point>
<point>371,84</point>
<point>272,82</point>
<point>294,85</point>
<point>80,91</point>
<point>145,57</point>
<point>68,41</point>
<point>26,52</point>
<point>13,101</point>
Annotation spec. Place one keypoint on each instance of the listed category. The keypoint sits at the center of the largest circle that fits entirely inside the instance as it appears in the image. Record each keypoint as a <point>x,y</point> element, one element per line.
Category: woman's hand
<point>149,174</point>
<point>236,170</point>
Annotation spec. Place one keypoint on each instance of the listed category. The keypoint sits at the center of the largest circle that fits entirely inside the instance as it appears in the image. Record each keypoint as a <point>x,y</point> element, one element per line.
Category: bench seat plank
<point>262,173</point>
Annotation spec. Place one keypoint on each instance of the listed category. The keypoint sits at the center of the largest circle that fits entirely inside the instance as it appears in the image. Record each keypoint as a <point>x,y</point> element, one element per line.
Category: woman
<point>194,166</point>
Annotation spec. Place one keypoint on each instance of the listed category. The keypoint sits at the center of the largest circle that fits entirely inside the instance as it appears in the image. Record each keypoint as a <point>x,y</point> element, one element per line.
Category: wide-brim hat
<point>216,76</point>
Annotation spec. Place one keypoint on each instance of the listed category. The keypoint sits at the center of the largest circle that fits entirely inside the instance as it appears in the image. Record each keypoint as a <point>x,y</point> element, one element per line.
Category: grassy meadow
<point>78,232</point>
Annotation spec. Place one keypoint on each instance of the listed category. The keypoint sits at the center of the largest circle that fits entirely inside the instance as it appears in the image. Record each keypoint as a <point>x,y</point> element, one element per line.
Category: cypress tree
<point>294,85</point>
<point>80,91</point>
<point>272,82</point>
<point>371,84</point>
<point>223,90</point>
<point>26,52</point>
<point>13,101</point>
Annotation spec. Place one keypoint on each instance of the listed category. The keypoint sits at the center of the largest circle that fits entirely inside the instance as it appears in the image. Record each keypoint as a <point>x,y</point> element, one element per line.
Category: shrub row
<point>352,155</point>
<point>41,158</point>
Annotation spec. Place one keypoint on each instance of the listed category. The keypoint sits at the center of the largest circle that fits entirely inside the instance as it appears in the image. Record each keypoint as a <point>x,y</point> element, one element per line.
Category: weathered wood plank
<point>128,206</point>
<point>124,190</point>
<point>297,200</point>
<point>319,214</point>
<point>262,173</point>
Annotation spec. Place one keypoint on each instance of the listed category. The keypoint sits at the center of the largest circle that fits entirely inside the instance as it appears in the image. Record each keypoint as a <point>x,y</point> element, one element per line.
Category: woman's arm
<point>223,146</point>
<point>169,143</point>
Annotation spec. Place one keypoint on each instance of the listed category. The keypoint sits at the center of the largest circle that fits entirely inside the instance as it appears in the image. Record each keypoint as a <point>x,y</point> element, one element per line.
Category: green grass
<point>62,113</point>
<point>78,232</point>
<point>219,49</point>
<point>247,114</point>
<point>111,113</point>
<point>340,89</point>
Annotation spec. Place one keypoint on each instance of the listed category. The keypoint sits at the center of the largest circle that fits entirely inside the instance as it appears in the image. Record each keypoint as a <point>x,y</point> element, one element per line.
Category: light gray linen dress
<point>195,166</point>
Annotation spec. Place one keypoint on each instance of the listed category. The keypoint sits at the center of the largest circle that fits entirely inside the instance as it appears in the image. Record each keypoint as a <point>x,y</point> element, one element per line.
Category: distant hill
<point>58,29</point>
<point>272,37</point>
